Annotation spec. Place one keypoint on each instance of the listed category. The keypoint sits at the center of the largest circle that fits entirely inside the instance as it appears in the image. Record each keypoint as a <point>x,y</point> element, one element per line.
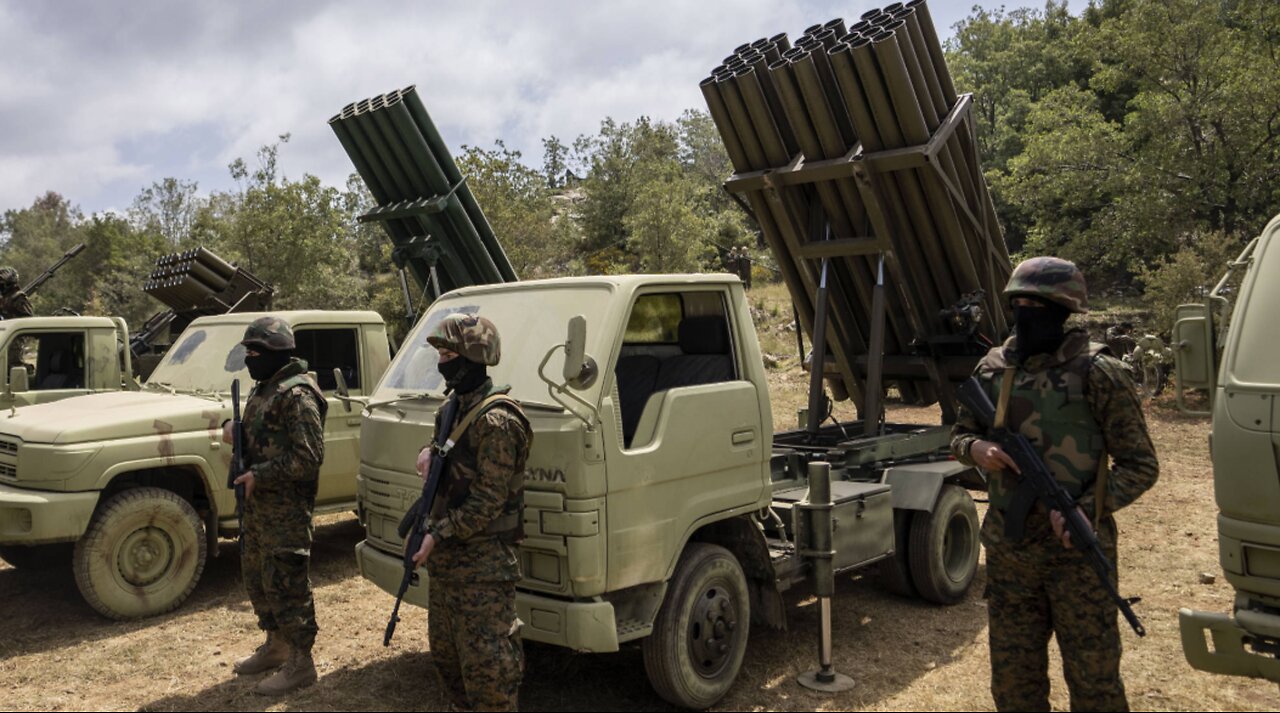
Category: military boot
<point>299,672</point>
<point>273,652</point>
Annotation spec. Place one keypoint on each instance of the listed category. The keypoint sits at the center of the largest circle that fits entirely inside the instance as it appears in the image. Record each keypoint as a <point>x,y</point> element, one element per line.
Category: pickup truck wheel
<point>36,557</point>
<point>700,636</point>
<point>142,554</point>
<point>944,547</point>
<point>895,572</point>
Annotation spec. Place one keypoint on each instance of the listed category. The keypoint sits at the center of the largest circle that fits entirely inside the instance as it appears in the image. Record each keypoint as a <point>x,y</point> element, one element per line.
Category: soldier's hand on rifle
<point>424,462</point>
<point>990,456</point>
<point>428,544</point>
<point>246,479</point>
<point>1060,530</point>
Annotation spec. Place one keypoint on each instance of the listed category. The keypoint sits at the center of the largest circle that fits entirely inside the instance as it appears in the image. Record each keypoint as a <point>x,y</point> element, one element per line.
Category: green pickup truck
<point>136,479</point>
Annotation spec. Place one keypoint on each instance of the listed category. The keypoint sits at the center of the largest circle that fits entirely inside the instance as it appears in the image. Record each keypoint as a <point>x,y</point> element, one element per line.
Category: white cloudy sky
<point>99,99</point>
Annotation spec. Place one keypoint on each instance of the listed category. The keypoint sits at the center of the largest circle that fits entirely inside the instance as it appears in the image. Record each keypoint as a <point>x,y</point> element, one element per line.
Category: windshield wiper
<point>162,385</point>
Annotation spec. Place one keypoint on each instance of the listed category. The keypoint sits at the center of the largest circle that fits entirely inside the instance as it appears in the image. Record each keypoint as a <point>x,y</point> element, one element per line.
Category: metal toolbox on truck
<point>862,521</point>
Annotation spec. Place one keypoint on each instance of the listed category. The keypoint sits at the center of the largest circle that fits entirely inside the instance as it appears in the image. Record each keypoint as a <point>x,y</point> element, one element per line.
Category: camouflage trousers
<point>475,643</point>
<point>275,563</point>
<point>1037,589</point>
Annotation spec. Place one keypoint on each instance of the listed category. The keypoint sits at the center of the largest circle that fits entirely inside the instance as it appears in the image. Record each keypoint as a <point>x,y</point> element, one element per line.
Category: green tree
<point>520,207</point>
<point>668,233</point>
<point>297,235</point>
<point>34,238</point>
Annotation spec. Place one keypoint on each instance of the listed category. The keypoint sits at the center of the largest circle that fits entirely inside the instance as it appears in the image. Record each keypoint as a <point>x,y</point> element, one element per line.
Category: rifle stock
<point>413,527</point>
<point>1037,484</point>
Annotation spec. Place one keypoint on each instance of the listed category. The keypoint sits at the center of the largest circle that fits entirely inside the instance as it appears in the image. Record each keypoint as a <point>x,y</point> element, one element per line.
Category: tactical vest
<point>464,462</point>
<point>254,404</point>
<point>1051,409</point>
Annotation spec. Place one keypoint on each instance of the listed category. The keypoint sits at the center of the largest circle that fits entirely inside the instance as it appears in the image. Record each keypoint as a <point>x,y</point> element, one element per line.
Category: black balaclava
<point>267,363</point>
<point>1040,328</point>
<point>463,375</point>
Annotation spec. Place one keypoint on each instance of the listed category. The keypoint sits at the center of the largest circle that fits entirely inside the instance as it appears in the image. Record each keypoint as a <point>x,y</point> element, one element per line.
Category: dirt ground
<point>57,654</point>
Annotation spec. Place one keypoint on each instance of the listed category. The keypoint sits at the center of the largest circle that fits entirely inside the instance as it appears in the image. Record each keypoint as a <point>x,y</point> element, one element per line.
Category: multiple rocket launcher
<point>850,145</point>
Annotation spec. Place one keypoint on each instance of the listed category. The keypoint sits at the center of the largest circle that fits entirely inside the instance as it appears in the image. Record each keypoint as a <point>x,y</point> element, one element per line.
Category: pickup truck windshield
<point>530,322</point>
<point>205,358</point>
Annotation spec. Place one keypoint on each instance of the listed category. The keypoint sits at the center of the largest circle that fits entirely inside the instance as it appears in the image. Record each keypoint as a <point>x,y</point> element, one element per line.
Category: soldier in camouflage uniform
<point>284,447</point>
<point>13,301</point>
<point>1077,405</point>
<point>475,525</point>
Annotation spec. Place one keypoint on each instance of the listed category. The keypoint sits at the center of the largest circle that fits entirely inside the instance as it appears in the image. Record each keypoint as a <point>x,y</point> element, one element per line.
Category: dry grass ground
<point>56,654</point>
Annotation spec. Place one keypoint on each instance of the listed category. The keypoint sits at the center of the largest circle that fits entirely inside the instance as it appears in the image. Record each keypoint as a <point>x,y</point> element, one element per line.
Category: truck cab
<point>137,480</point>
<point>656,492</point>
<point>52,358</point>
<point>1244,389</point>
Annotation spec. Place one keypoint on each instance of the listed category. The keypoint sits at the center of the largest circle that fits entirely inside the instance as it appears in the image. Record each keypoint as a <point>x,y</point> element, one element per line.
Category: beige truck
<point>1226,346</point>
<point>660,506</point>
<point>129,486</point>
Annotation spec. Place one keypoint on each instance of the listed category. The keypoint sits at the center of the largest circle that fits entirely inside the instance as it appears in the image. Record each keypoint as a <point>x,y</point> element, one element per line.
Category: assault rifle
<point>44,276</point>
<point>237,457</point>
<point>1039,485</point>
<point>413,528</point>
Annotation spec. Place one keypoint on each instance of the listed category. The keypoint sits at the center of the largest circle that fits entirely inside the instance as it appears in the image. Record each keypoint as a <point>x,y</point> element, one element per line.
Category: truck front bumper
<point>34,517</point>
<point>1230,655</point>
<point>581,626</point>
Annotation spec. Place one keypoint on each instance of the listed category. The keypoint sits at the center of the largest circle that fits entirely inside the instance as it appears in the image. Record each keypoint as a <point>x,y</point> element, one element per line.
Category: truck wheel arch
<point>187,476</point>
<point>742,537</point>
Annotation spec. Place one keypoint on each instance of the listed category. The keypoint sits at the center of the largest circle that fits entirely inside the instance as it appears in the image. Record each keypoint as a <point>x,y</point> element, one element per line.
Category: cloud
<point>101,99</point>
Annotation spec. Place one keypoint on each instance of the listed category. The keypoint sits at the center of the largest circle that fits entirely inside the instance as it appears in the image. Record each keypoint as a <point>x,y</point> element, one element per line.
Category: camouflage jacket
<point>15,304</point>
<point>483,486</point>
<point>1111,400</point>
<point>284,429</point>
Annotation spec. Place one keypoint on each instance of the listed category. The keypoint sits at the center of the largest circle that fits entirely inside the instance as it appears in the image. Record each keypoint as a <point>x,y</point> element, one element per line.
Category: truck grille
<point>9,459</point>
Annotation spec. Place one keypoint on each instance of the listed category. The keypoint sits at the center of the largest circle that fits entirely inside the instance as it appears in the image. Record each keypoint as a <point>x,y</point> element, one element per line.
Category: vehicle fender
<point>915,486</point>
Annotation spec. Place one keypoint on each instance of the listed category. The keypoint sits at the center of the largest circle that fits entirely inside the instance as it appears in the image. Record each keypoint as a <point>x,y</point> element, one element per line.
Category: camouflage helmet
<point>472,337</point>
<point>8,278</point>
<point>270,333</point>
<point>1050,278</point>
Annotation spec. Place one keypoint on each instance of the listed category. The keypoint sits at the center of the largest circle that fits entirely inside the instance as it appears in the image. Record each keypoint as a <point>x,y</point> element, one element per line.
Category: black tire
<point>895,572</point>
<point>943,551</point>
<point>37,557</point>
<point>700,636</point>
<point>142,555</point>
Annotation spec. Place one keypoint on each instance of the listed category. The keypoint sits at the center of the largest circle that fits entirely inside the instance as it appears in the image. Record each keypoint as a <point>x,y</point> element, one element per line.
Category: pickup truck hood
<point>114,415</point>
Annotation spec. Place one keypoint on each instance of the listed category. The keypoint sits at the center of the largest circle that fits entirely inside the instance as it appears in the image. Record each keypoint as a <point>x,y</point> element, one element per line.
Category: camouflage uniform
<point>1078,406</point>
<point>284,447</point>
<point>13,301</point>
<point>473,569</point>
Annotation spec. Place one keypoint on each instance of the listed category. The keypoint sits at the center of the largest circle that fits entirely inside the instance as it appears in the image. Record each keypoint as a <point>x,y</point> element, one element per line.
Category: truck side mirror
<point>18,383</point>
<point>580,370</point>
<point>344,393</point>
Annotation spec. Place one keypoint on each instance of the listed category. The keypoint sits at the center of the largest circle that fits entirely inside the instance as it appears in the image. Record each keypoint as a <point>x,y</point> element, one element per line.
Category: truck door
<point>327,348</point>
<point>686,438</point>
<point>54,361</point>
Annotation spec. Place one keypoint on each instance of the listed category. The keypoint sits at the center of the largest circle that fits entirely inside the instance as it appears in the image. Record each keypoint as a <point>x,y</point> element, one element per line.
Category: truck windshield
<point>530,323</point>
<point>1259,341</point>
<point>205,358</point>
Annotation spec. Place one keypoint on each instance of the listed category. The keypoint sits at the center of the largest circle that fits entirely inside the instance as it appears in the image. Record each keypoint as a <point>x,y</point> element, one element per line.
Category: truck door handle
<point>741,437</point>
<point>353,421</point>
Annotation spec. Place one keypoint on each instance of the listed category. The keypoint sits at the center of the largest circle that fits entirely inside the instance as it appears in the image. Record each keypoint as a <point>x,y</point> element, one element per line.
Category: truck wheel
<point>36,557</point>
<point>142,554</point>
<point>700,636</point>
<point>944,547</point>
<point>895,572</point>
